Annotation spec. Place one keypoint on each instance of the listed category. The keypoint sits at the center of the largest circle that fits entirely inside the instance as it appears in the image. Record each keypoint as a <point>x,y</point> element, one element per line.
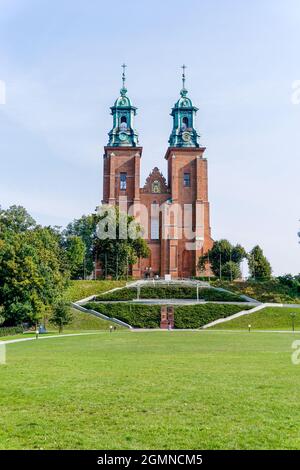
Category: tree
<point>61,315</point>
<point>259,266</point>
<point>16,220</point>
<point>85,228</point>
<point>75,252</point>
<point>118,250</point>
<point>33,274</point>
<point>231,270</point>
<point>222,253</point>
<point>293,282</point>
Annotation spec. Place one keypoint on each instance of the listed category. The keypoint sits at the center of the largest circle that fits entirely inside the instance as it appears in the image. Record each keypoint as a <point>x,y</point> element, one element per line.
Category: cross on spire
<point>123,75</point>
<point>183,76</point>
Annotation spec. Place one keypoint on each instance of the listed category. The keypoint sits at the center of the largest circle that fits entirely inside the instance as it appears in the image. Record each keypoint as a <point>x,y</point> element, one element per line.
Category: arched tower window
<point>123,123</point>
<point>185,122</point>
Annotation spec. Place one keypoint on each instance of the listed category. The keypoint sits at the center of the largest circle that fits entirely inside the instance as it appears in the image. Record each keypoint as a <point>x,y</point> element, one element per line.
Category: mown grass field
<point>270,318</point>
<point>149,390</point>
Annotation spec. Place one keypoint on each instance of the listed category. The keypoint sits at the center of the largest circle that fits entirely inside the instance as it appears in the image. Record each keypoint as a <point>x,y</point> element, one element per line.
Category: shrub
<point>10,330</point>
<point>263,291</point>
<point>139,316</point>
<point>195,316</point>
<point>172,292</point>
<point>148,316</point>
<point>292,282</point>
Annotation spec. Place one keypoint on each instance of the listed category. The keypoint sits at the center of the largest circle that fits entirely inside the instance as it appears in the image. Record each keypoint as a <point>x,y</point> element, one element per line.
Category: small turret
<point>123,133</point>
<point>184,133</point>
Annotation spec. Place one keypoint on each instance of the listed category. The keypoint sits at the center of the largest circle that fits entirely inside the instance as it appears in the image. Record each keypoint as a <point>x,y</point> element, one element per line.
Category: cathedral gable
<point>155,183</point>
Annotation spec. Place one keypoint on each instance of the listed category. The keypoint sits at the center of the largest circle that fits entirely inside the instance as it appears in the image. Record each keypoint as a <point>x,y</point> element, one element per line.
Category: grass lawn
<point>151,390</point>
<point>81,323</point>
<point>85,321</point>
<point>270,318</point>
<point>81,289</point>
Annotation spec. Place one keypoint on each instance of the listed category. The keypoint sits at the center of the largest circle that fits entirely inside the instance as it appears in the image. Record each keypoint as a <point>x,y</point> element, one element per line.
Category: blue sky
<point>61,61</point>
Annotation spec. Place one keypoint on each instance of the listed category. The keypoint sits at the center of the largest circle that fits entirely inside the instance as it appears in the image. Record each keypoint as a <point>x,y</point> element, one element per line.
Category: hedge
<point>171,292</point>
<point>148,316</point>
<point>10,330</point>
<point>268,291</point>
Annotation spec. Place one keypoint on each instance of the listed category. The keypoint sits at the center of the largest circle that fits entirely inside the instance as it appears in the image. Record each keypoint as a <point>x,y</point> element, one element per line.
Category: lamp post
<point>293,316</point>
<point>208,267</point>
<point>138,291</point>
<point>197,292</point>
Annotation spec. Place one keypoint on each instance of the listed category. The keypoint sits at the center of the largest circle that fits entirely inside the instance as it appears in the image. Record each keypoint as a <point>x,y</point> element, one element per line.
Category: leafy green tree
<point>231,270</point>
<point>16,220</point>
<point>223,252</point>
<point>116,253</point>
<point>259,266</point>
<point>75,252</point>
<point>291,281</point>
<point>61,315</point>
<point>85,228</point>
<point>33,273</point>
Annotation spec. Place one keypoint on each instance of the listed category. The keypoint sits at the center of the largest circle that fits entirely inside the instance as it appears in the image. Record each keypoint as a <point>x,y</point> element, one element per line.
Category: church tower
<point>188,183</point>
<point>121,160</point>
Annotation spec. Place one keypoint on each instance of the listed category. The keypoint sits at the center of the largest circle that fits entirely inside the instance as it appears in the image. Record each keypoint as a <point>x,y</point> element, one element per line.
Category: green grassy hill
<point>263,291</point>
<point>85,321</point>
<point>81,289</point>
<point>269,318</point>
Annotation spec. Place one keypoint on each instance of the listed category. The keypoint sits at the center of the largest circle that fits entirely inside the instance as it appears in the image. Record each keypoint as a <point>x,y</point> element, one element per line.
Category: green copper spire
<point>123,89</point>
<point>184,133</point>
<point>123,133</point>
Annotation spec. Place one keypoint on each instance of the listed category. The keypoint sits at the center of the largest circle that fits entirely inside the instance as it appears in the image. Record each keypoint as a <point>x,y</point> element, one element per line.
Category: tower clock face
<point>186,136</point>
<point>123,136</point>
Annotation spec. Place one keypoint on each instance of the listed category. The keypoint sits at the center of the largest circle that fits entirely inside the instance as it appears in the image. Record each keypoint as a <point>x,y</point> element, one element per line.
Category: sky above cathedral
<point>61,65</point>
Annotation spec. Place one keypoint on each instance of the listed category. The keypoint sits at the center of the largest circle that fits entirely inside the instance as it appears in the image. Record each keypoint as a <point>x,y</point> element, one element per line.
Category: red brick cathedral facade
<point>174,213</point>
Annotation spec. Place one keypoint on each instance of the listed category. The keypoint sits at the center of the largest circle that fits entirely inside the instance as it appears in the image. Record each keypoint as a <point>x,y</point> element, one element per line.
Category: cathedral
<point>173,211</point>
